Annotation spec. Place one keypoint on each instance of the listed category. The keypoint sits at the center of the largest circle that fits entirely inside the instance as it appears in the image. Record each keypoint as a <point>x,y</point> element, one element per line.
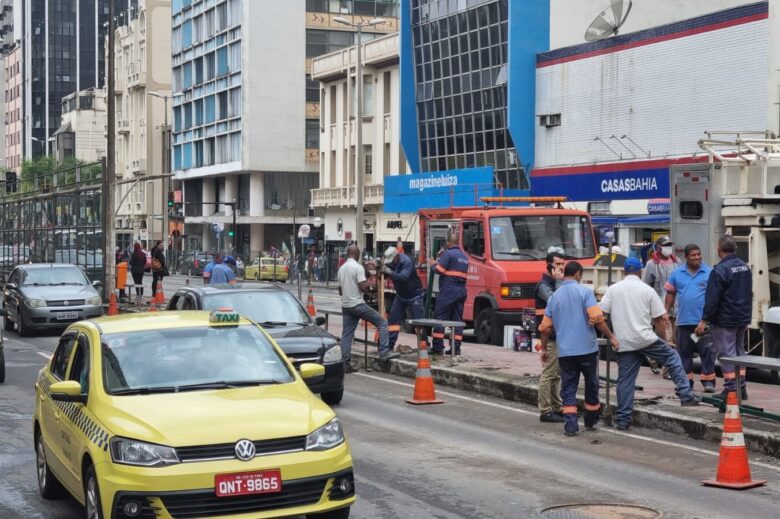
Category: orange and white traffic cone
<point>733,468</point>
<point>112,308</point>
<point>310,304</point>
<point>152,306</point>
<point>159,296</point>
<point>424,392</point>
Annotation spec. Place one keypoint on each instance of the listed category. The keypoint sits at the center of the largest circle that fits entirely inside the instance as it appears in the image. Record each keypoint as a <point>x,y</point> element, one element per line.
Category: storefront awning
<point>652,220</point>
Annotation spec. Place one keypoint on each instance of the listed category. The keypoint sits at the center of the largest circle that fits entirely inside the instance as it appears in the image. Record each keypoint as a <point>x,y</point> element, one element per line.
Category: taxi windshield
<point>187,359</point>
<point>529,238</point>
<point>262,306</point>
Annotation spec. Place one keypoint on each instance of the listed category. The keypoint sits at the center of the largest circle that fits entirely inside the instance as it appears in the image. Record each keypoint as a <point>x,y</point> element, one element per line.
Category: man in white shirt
<point>352,285</point>
<point>634,308</point>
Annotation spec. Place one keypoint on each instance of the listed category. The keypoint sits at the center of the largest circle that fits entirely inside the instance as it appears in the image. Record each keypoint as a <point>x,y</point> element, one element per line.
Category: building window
<point>312,134</point>
<point>312,90</point>
<point>368,160</point>
<point>324,42</point>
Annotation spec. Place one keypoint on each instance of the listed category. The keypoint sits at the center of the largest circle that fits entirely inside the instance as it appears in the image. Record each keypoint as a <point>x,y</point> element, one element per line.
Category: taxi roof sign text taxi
<point>224,316</point>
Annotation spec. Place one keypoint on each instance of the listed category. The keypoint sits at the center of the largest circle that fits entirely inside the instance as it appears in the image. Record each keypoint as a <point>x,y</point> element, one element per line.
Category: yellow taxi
<point>267,269</point>
<point>183,415</point>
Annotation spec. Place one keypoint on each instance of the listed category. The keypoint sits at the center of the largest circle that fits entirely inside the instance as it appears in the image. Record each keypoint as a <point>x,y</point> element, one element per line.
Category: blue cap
<point>229,259</point>
<point>632,265</point>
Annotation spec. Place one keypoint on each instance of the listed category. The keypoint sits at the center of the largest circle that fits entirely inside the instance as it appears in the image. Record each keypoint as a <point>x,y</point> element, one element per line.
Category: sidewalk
<point>511,375</point>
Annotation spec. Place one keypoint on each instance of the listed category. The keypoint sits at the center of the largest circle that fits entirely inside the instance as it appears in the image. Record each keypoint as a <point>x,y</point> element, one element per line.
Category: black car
<point>284,318</point>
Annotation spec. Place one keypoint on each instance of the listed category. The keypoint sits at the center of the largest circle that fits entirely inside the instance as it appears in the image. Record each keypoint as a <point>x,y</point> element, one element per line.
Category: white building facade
<point>82,134</point>
<point>384,157</point>
<point>142,67</point>
<point>614,115</point>
<point>246,127</point>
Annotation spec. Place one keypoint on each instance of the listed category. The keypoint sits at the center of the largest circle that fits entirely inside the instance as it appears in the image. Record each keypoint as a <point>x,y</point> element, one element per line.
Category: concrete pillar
<point>256,239</point>
<point>231,192</point>
<point>209,195</point>
<point>206,237</point>
<point>256,195</point>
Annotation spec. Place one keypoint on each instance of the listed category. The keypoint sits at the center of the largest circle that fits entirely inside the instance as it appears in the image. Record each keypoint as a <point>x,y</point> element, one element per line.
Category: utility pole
<point>109,171</point>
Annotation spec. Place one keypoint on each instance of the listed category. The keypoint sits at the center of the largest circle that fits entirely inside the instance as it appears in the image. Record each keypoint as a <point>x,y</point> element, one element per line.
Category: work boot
<point>723,395</point>
<point>709,388</point>
<point>691,402</point>
<point>550,417</point>
<point>449,351</point>
<point>388,355</point>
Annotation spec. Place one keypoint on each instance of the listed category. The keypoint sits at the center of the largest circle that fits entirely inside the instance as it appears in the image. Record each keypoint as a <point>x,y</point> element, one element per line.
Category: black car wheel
<point>341,513</point>
<point>8,324</point>
<point>48,484</point>
<point>92,506</point>
<point>2,366</point>
<point>21,329</point>
<point>333,397</point>
<point>486,328</point>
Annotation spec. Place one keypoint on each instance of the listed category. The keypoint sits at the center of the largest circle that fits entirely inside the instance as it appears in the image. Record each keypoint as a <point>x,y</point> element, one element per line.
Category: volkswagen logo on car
<point>245,450</point>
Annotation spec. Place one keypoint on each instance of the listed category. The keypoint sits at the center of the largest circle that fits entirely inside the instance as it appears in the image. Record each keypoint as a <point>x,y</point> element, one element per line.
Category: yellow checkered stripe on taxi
<point>75,413</point>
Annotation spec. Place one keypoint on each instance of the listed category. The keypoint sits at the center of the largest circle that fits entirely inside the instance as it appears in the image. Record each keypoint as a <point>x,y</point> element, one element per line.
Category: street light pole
<point>109,172</point>
<point>359,166</point>
<point>166,165</point>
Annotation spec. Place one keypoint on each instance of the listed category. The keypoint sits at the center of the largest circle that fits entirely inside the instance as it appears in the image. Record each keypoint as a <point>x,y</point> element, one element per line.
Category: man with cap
<point>660,265</point>
<point>635,308</point>
<point>452,268</point>
<point>408,291</point>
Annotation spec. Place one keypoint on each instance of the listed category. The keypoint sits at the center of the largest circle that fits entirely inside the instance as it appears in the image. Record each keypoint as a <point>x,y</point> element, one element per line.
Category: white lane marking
<point>605,429</point>
<point>46,356</point>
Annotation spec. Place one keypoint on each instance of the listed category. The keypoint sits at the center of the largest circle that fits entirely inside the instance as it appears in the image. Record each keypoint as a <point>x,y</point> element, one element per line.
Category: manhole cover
<point>600,511</point>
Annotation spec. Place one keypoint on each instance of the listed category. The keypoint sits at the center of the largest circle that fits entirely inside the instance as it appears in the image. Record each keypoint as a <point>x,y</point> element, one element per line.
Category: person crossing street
<point>573,313</point>
<point>688,285</point>
<point>408,291</point>
<point>634,308</point>
<point>728,307</point>
<point>549,399</point>
<point>452,268</point>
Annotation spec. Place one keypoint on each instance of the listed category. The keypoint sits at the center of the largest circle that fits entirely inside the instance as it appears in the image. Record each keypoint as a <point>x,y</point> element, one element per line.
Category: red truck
<point>507,247</point>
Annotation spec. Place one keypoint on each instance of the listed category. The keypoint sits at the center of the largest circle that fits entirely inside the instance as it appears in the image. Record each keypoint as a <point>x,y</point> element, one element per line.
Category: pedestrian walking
<point>221,273</point>
<point>549,399</point>
<point>158,265</point>
<point>452,268</point>
<point>634,308</point>
<point>574,315</point>
<point>322,262</point>
<point>352,285</point>
<point>408,291</point>
<point>207,270</point>
<point>728,309</point>
<point>137,267</point>
<point>687,286</point>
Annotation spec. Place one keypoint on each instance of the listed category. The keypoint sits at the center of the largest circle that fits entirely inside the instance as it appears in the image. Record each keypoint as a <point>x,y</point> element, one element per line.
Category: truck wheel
<point>486,329</point>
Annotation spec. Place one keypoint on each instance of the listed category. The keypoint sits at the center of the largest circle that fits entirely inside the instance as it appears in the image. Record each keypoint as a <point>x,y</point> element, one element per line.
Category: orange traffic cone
<point>112,308</point>
<point>310,304</point>
<point>152,306</point>
<point>424,392</point>
<point>733,468</point>
<point>159,296</point>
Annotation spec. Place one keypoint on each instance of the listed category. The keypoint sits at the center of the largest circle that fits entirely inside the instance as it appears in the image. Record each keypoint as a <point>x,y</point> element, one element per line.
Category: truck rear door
<point>691,208</point>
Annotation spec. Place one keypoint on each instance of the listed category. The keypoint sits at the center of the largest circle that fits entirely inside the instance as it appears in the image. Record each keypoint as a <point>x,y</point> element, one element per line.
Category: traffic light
<point>231,233</point>
<point>170,199</point>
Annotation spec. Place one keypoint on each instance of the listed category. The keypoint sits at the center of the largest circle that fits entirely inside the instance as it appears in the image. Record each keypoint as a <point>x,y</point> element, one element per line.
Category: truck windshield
<point>528,238</point>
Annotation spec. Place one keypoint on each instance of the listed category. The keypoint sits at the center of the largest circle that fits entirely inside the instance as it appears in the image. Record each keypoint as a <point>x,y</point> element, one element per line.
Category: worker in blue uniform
<point>452,268</point>
<point>408,291</point>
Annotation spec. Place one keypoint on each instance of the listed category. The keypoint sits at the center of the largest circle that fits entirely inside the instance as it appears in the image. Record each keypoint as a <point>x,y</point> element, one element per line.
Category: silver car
<point>49,295</point>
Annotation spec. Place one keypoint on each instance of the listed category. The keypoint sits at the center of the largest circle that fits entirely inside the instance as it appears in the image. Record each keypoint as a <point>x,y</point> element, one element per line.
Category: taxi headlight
<point>134,452</point>
<point>35,303</point>
<point>326,437</point>
<point>332,355</point>
<point>94,301</point>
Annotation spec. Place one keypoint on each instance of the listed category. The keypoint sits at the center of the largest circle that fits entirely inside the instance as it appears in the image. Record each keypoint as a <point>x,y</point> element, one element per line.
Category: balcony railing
<point>373,194</point>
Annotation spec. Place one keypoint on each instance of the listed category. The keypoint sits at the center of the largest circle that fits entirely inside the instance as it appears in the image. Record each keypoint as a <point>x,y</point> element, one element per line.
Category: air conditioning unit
<point>550,120</point>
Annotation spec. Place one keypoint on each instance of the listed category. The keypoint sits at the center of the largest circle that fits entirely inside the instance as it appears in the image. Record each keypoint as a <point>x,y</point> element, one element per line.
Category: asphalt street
<point>473,457</point>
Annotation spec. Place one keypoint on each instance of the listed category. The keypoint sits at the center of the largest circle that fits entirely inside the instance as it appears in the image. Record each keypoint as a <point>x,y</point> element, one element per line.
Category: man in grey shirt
<point>352,286</point>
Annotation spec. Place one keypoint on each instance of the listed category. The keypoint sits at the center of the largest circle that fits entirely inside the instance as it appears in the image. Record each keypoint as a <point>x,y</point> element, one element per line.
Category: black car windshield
<point>183,359</point>
<point>54,276</point>
<point>528,238</point>
<point>277,306</point>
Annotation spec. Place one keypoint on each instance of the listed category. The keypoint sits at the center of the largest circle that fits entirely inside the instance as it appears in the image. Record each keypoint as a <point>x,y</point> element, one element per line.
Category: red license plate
<point>246,483</point>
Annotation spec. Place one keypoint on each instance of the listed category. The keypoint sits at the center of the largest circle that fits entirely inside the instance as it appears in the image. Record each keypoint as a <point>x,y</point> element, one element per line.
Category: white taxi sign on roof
<point>224,316</point>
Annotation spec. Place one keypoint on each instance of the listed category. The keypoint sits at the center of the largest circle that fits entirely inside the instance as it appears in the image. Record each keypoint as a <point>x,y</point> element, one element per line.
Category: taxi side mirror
<point>311,373</point>
<point>67,391</point>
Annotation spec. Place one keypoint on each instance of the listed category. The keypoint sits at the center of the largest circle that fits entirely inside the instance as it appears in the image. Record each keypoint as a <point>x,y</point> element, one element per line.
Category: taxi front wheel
<point>92,507</point>
<point>341,513</point>
<point>48,484</point>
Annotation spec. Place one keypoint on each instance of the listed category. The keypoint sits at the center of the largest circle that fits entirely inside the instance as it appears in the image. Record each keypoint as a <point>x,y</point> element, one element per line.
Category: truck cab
<point>507,249</point>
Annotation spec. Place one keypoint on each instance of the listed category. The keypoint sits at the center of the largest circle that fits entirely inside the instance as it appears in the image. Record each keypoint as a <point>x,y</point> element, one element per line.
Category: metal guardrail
<point>364,340</point>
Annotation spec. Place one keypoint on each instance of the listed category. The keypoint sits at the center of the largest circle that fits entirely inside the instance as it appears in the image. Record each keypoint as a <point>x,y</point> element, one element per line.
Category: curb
<point>760,438</point>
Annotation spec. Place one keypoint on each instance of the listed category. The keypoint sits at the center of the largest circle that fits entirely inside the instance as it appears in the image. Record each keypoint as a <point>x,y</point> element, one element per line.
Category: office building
<point>246,127</point>
<point>82,134</point>
<point>63,52</point>
<point>13,130</point>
